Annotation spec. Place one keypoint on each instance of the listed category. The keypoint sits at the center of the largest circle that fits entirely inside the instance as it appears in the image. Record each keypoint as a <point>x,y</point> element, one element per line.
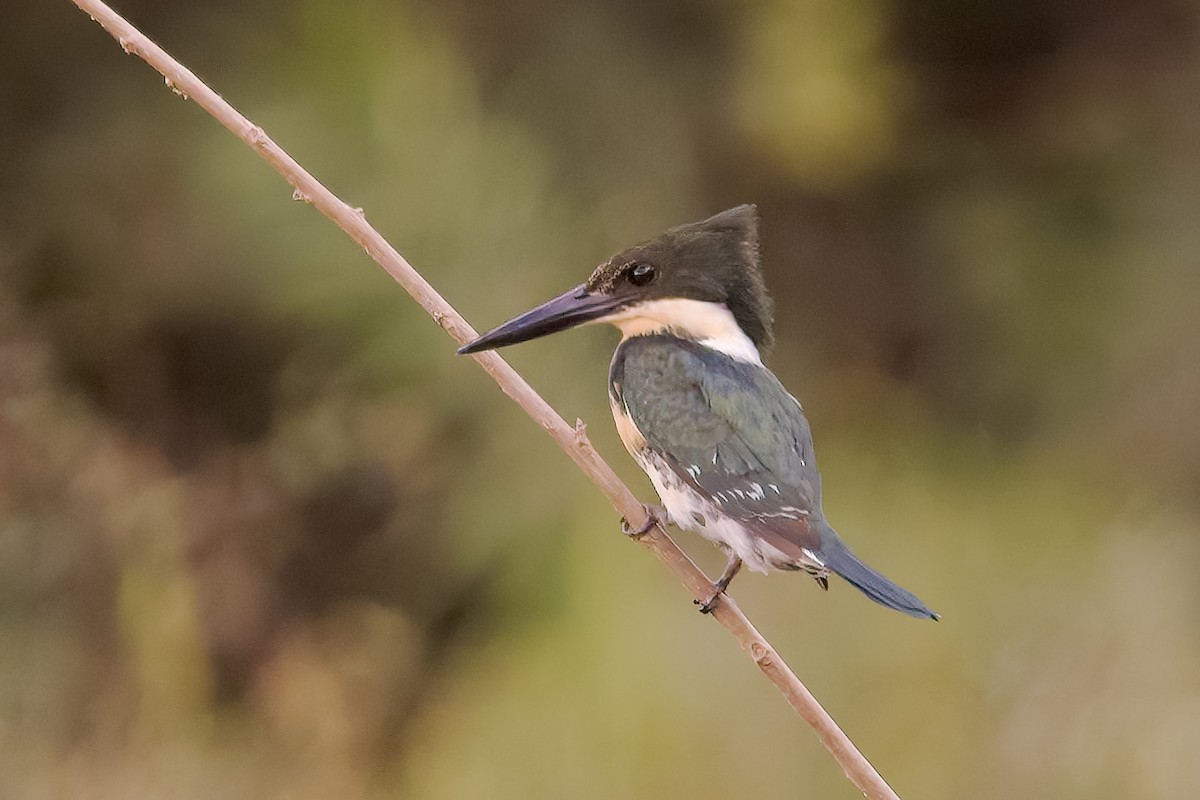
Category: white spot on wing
<point>810,554</point>
<point>690,510</point>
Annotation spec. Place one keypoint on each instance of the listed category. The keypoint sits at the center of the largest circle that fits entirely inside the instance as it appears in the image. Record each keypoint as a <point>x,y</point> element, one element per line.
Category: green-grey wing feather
<point>728,428</point>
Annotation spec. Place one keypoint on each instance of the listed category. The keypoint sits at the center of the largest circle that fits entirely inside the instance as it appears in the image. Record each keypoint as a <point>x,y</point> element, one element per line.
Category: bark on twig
<point>572,439</point>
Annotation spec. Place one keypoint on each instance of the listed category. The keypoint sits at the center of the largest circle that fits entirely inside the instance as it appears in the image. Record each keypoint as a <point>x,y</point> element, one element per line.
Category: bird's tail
<point>841,560</point>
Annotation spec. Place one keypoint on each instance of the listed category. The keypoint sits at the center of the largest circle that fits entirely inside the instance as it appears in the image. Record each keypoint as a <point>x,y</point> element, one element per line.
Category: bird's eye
<point>641,274</point>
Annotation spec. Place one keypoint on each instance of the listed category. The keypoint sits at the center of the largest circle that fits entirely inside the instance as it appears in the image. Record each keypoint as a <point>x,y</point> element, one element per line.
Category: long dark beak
<point>571,308</point>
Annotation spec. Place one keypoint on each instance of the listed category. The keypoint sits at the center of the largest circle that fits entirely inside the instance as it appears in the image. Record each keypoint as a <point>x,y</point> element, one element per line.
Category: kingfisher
<point>727,447</point>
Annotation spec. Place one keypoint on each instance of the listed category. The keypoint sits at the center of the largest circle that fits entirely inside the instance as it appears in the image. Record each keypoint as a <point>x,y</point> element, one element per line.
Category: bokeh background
<point>262,534</point>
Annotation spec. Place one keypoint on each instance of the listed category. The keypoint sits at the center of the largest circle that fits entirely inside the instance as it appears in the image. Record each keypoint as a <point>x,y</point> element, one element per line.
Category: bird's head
<point>701,281</point>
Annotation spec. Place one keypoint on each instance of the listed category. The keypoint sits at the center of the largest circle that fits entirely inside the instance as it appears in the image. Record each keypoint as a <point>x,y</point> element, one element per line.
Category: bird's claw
<point>731,569</point>
<point>708,605</point>
<point>654,516</point>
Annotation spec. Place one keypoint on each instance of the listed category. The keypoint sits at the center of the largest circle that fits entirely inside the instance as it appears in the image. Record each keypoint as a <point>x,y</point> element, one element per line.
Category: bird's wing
<point>727,428</point>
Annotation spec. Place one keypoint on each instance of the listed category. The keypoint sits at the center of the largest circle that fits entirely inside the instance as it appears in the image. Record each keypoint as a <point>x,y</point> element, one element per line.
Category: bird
<point>727,447</point>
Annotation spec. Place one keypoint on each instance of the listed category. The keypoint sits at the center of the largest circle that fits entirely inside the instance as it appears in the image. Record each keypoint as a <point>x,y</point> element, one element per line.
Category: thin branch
<point>573,440</point>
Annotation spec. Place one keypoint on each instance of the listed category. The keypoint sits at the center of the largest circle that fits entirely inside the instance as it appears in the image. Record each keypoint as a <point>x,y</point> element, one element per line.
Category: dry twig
<point>573,440</point>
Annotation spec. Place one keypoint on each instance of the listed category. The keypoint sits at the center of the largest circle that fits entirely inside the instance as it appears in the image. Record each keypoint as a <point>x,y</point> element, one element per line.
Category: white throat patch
<point>710,324</point>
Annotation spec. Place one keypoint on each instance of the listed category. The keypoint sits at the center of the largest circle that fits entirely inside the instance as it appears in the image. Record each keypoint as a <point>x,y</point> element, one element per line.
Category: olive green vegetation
<point>262,534</point>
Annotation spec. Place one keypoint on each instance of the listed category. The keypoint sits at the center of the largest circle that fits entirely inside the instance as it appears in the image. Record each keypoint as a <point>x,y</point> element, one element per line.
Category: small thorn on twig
<point>258,137</point>
<point>167,79</point>
<point>581,438</point>
<point>301,196</point>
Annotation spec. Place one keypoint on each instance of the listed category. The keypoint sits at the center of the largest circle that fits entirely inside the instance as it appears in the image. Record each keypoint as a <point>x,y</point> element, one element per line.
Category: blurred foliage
<point>263,535</point>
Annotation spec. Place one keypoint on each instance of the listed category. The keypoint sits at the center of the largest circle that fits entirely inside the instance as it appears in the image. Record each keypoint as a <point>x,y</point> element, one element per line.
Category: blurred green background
<point>262,535</point>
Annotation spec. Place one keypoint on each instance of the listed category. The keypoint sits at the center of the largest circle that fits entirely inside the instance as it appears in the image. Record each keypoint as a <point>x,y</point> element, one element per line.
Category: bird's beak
<point>571,308</point>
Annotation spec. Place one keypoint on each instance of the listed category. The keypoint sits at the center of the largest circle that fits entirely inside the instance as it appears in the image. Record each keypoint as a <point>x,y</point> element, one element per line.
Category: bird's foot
<point>708,605</point>
<point>655,515</point>
<point>731,569</point>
